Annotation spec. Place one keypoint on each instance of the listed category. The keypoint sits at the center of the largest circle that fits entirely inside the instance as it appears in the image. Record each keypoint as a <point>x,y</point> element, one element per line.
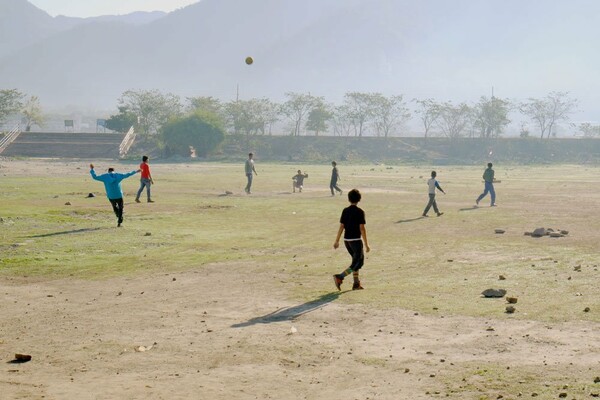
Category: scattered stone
<point>556,235</point>
<point>227,192</point>
<point>406,370</point>
<point>510,309</point>
<point>501,278</point>
<point>528,233</point>
<point>577,268</point>
<point>141,349</point>
<point>562,395</point>
<point>512,300</point>
<point>587,309</point>
<point>91,195</point>
<point>148,234</point>
<point>597,379</point>
<point>494,292</point>
<point>539,232</point>
<point>68,203</point>
<point>22,357</point>
<point>174,279</point>
<point>490,329</point>
<point>564,232</point>
<point>499,231</point>
<point>450,260</point>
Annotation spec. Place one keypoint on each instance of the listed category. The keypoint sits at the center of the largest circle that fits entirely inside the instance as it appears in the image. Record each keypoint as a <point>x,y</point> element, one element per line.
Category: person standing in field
<point>298,181</point>
<point>112,184</point>
<point>250,170</point>
<point>335,176</point>
<point>352,224</point>
<point>145,180</point>
<point>488,177</point>
<point>433,184</point>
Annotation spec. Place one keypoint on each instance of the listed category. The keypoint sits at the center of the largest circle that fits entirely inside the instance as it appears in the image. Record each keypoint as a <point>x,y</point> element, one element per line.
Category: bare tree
<point>152,108</point>
<point>454,119</point>
<point>296,109</point>
<point>342,121</point>
<point>360,108</point>
<point>388,113</point>
<point>429,111</point>
<point>546,112</point>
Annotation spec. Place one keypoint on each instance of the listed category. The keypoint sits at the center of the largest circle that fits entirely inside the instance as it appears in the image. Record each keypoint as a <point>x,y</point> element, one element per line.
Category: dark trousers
<point>355,248</point>
<point>431,203</point>
<point>117,205</point>
<point>333,185</point>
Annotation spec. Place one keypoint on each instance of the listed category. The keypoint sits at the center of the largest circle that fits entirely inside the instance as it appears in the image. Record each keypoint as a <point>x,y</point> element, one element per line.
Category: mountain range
<point>445,49</point>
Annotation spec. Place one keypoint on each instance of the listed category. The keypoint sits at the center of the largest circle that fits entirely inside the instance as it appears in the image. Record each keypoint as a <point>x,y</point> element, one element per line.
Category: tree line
<point>162,115</point>
<point>359,114</point>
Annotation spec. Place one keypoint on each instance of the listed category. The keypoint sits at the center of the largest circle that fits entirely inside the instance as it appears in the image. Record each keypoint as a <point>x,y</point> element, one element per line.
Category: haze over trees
<point>312,46</point>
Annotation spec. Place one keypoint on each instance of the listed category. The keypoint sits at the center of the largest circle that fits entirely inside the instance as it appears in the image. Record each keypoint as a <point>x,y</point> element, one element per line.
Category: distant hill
<point>446,49</point>
<point>23,24</point>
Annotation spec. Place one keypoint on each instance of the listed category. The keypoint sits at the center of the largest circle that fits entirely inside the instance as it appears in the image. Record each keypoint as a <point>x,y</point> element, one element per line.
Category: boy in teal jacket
<point>112,184</point>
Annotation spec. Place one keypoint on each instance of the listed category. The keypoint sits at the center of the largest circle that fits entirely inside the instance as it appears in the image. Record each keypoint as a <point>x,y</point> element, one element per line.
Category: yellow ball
<point>249,60</point>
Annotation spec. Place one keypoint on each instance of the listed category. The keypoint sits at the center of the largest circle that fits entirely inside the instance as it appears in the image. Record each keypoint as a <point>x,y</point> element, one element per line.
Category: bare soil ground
<point>234,330</point>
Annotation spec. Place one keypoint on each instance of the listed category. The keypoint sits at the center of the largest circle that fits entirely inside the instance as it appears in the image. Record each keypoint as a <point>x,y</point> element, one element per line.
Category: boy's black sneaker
<point>338,281</point>
<point>357,286</point>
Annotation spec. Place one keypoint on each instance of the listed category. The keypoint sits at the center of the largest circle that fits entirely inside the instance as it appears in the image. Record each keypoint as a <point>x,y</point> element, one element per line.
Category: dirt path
<point>220,334</point>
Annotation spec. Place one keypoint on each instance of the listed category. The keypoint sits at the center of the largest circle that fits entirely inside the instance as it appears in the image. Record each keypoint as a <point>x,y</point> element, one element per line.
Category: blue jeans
<point>249,185</point>
<point>489,188</point>
<point>144,182</point>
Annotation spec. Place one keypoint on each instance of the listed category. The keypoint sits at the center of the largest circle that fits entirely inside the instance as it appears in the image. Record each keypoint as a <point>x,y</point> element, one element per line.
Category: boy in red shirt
<point>145,181</point>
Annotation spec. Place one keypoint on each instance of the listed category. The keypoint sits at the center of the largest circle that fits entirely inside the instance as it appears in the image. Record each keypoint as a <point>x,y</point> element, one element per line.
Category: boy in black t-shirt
<point>352,223</point>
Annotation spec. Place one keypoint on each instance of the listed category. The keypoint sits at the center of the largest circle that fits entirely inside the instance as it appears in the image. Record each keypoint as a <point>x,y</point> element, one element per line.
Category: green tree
<point>152,108</point>
<point>122,121</point>
<point>491,116</point>
<point>11,101</point>
<point>318,117</point>
<point>251,116</point>
<point>546,112</point>
<point>201,130</point>
<point>32,113</point>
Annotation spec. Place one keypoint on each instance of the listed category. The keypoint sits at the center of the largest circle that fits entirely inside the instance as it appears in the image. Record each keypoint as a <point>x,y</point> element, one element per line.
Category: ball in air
<point>249,60</point>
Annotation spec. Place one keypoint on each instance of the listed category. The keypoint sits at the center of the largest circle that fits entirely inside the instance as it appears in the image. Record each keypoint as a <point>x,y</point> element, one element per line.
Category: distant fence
<point>9,138</point>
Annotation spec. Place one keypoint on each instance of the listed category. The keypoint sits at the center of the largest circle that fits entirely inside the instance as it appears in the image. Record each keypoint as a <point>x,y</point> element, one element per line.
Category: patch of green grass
<point>430,265</point>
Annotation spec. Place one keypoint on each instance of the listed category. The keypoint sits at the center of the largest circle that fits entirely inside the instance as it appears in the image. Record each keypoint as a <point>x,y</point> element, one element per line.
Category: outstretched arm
<point>93,173</point>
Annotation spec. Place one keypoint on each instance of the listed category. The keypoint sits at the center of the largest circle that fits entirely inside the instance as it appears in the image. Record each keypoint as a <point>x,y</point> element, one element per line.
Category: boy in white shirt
<point>433,184</point>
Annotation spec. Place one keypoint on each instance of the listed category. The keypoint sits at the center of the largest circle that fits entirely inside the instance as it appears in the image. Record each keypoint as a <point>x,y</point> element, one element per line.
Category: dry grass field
<point>203,295</point>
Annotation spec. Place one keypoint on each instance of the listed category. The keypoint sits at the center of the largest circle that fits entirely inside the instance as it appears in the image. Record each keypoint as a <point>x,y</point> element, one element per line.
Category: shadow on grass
<point>291,313</point>
<point>402,221</point>
<point>66,232</point>
<point>469,208</point>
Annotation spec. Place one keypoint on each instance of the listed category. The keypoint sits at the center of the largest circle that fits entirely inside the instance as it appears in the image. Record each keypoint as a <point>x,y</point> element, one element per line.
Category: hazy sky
<point>92,8</point>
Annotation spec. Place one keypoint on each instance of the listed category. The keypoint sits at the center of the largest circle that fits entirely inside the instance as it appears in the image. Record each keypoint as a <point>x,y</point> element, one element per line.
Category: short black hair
<point>333,163</point>
<point>433,174</point>
<point>111,169</point>
<point>354,196</point>
<point>489,165</point>
<point>144,158</point>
